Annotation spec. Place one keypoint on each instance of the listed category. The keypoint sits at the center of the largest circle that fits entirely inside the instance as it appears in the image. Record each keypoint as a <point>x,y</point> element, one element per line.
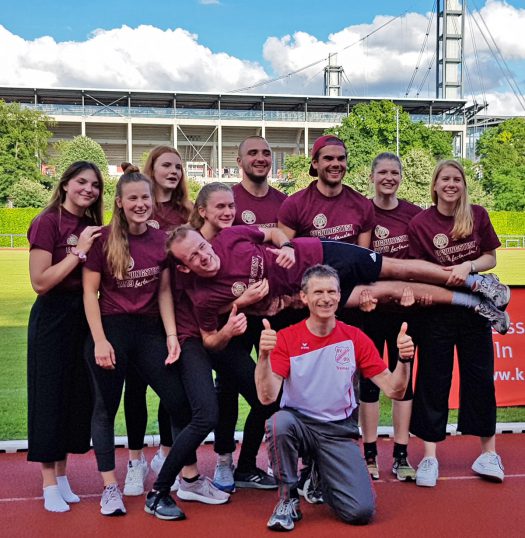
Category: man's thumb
<point>266,324</point>
<point>234,310</point>
<point>404,327</point>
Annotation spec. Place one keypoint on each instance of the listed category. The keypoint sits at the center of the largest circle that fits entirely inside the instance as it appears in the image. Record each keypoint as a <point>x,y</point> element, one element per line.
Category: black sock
<point>191,480</point>
<point>400,451</point>
<point>370,450</point>
<point>294,494</point>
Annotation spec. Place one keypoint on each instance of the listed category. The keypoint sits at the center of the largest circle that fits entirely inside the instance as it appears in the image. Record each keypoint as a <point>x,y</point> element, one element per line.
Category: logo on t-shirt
<point>382,232</point>
<point>153,224</point>
<point>440,240</point>
<point>238,288</point>
<point>248,217</point>
<point>320,221</point>
<point>131,264</point>
<point>72,240</point>
<point>343,354</point>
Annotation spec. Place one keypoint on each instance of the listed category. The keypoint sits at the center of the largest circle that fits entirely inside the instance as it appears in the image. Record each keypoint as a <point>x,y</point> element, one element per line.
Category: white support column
<point>306,142</point>
<point>174,135</point>
<point>83,127</point>
<point>130,142</point>
<point>219,150</point>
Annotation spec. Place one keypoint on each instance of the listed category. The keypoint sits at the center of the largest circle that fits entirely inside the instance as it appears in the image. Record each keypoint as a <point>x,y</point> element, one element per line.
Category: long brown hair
<point>463,219</point>
<point>195,220</point>
<point>96,210</point>
<point>117,245</point>
<point>179,197</point>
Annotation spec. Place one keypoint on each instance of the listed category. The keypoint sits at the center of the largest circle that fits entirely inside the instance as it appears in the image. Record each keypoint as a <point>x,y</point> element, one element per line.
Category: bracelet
<point>405,361</point>
<point>472,268</point>
<point>288,244</point>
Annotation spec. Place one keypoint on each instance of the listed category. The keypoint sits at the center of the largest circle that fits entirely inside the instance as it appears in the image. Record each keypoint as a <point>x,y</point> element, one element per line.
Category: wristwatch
<point>287,244</point>
<point>405,361</point>
<point>81,255</point>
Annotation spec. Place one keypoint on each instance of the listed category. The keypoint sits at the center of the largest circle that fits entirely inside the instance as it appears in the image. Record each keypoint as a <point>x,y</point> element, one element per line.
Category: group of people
<point>171,291</point>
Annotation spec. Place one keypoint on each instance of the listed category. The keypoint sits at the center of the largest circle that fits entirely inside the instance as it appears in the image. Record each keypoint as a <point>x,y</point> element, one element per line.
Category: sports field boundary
<point>20,445</point>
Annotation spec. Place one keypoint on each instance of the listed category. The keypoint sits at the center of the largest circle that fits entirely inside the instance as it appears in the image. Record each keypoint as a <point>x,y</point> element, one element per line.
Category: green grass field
<point>16,298</point>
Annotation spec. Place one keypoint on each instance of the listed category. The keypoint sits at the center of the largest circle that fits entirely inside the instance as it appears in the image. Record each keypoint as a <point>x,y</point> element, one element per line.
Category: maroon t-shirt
<point>429,234</point>
<point>57,231</point>
<point>390,235</point>
<point>165,217</point>
<point>342,217</point>
<point>257,210</point>
<point>245,259</point>
<point>138,292</point>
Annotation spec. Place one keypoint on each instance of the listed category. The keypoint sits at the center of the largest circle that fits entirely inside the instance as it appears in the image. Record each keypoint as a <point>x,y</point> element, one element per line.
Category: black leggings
<point>138,341</point>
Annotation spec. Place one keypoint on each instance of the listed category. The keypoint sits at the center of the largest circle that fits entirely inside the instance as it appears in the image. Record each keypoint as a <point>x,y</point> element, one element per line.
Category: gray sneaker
<point>493,290</point>
<point>223,477</point>
<point>499,320</point>
<point>111,503</point>
<point>202,490</point>
<point>427,472</point>
<point>285,514</point>
<point>489,466</point>
<point>135,477</point>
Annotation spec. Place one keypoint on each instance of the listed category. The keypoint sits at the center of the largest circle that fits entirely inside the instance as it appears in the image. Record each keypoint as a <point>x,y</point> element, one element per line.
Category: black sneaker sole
<point>164,518</point>
<point>116,513</point>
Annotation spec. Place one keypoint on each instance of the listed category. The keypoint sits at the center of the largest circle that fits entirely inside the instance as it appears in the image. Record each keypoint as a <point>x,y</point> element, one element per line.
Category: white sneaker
<point>156,465</point>
<point>427,472</point>
<point>489,466</point>
<point>111,503</point>
<point>202,490</point>
<point>135,477</point>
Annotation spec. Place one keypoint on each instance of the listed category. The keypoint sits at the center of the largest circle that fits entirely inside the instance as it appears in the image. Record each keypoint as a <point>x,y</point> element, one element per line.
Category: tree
<point>24,134</point>
<point>418,166</point>
<point>29,193</point>
<point>83,148</point>
<point>502,158</point>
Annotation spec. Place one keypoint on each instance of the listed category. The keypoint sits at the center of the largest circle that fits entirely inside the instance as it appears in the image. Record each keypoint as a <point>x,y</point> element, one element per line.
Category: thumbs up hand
<point>268,339</point>
<point>405,343</point>
<point>237,323</point>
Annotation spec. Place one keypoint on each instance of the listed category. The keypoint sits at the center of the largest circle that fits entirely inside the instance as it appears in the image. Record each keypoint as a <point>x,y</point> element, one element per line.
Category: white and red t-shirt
<point>319,371</point>
<point>312,214</point>
<point>260,211</point>
<point>390,235</point>
<point>57,231</point>
<point>430,237</point>
<point>245,259</point>
<point>138,292</point>
<point>165,217</point>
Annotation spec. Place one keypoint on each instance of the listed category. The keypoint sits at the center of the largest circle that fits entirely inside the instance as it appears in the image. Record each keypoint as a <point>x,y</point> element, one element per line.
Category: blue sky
<point>226,45</point>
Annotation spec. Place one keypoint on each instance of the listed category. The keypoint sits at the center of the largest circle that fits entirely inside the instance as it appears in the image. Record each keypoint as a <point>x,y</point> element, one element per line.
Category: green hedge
<point>508,222</point>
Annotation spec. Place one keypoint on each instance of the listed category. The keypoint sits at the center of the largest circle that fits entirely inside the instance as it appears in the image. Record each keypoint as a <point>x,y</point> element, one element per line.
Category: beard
<point>256,178</point>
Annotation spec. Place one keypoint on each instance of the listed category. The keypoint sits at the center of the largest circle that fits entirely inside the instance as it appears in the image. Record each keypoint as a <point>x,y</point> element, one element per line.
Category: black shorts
<point>354,265</point>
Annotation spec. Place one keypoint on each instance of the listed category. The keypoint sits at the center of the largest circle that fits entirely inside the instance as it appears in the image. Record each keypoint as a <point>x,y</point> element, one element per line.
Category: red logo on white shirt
<point>342,354</point>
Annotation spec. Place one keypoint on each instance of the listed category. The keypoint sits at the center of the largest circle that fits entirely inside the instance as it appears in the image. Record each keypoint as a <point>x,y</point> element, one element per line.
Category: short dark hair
<point>319,271</point>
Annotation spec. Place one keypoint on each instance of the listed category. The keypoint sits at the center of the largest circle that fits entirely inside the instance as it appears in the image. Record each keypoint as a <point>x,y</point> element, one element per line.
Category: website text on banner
<point>509,358</point>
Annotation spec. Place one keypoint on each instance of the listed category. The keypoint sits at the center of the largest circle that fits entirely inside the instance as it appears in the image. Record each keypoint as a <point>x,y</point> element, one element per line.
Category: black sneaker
<point>163,506</point>
<point>309,485</point>
<point>285,514</point>
<point>254,478</point>
<point>304,475</point>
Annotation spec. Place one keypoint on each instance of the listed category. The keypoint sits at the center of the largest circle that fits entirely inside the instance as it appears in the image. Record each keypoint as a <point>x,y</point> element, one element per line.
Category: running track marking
<point>444,478</point>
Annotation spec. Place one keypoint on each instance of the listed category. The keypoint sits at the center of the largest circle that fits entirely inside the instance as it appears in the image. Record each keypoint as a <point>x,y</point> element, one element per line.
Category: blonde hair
<point>463,219</point>
<point>179,197</point>
<point>196,220</point>
<point>117,245</point>
<point>96,210</point>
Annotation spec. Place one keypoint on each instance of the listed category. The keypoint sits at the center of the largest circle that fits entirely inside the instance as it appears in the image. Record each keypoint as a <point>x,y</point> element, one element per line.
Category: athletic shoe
<point>310,488</point>
<point>156,465</point>
<point>202,490</point>
<point>427,472</point>
<point>285,514</point>
<point>163,506</point>
<point>223,476</point>
<point>493,290</point>
<point>111,503</point>
<point>489,466</point>
<point>135,477</point>
<point>255,478</point>
<point>304,475</point>
<point>499,320</point>
<point>403,470</point>
<point>373,467</point>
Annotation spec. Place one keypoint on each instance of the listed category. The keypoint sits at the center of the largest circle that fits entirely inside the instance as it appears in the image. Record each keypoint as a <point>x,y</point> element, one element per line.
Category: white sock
<point>65,490</point>
<point>53,501</point>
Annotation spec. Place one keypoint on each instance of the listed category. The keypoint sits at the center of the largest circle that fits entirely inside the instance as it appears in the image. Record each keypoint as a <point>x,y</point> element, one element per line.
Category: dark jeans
<point>444,327</point>
<point>138,341</point>
<point>59,396</point>
<point>236,375</point>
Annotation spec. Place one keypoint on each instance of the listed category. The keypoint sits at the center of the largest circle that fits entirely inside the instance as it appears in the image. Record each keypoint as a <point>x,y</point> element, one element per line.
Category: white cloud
<point>209,2</point>
<point>380,65</point>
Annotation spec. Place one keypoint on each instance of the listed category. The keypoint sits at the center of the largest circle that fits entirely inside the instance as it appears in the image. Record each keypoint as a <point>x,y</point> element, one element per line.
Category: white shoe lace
<point>111,494</point>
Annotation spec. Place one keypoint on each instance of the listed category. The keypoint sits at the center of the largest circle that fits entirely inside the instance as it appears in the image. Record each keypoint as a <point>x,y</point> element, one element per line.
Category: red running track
<point>461,505</point>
